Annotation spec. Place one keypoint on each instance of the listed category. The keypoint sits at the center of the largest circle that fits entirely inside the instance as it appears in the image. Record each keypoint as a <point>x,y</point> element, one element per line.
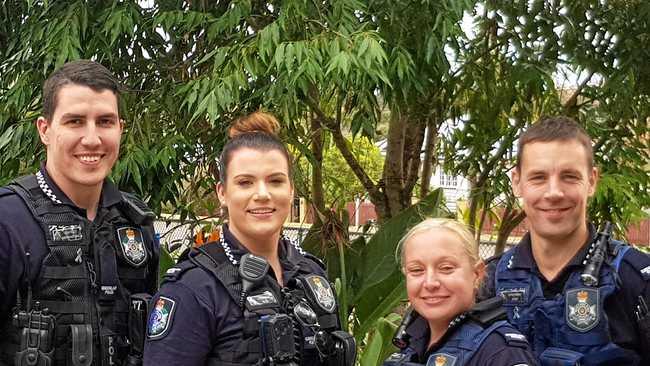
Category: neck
<point>266,247</point>
<point>552,255</point>
<point>437,329</point>
<point>86,197</point>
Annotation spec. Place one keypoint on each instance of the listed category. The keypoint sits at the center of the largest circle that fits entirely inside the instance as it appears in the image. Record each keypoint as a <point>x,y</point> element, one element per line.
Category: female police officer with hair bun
<point>440,260</point>
<point>254,297</point>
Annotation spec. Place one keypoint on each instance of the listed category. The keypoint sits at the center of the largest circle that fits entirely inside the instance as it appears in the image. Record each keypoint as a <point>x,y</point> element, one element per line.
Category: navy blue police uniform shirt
<point>619,308</point>
<point>20,233</point>
<point>202,314</point>
<point>494,350</point>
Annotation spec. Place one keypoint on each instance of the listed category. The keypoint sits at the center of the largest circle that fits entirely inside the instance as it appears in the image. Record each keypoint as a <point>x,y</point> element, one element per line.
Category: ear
<point>514,181</point>
<point>593,180</point>
<point>479,271</point>
<point>221,194</point>
<point>43,126</point>
<point>122,123</point>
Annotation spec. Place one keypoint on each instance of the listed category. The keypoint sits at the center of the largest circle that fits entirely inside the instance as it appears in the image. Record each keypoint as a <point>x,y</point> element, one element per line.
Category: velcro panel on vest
<point>108,280</point>
<point>82,344</point>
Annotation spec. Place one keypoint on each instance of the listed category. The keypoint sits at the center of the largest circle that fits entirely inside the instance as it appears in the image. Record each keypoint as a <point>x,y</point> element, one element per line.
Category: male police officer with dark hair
<point>577,295</point>
<point>77,256</point>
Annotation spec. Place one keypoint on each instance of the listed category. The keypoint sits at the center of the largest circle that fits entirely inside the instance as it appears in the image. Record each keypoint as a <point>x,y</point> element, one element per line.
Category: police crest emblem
<point>161,317</point>
<point>322,291</point>
<point>132,245</point>
<point>441,359</point>
<point>582,312</point>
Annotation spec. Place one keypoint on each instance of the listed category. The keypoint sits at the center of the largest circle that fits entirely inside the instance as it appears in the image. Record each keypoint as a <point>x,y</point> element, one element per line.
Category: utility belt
<point>41,341</point>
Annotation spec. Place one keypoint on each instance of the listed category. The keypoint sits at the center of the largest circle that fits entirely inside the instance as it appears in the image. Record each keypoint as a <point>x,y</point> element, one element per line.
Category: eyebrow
<point>76,115</point>
<point>247,175</point>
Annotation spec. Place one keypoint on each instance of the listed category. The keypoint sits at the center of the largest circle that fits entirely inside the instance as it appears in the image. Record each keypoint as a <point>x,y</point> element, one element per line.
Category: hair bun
<point>255,122</point>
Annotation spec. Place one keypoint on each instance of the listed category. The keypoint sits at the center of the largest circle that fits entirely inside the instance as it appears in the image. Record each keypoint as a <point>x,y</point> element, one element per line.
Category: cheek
<point>413,285</point>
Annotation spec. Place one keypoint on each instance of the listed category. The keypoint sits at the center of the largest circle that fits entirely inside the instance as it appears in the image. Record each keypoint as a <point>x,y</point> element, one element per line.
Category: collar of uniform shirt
<point>110,194</point>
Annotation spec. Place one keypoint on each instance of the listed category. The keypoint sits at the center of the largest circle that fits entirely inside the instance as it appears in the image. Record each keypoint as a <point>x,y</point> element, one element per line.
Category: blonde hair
<point>466,238</point>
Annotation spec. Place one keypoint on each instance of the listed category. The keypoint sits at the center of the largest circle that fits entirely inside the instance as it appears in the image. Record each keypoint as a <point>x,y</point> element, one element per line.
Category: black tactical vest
<point>86,280</point>
<point>266,299</point>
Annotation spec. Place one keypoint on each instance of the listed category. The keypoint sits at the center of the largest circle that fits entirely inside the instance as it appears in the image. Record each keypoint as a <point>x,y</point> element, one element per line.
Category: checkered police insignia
<point>322,291</point>
<point>132,245</point>
<point>582,311</point>
<point>45,188</point>
<point>441,359</point>
<point>161,318</point>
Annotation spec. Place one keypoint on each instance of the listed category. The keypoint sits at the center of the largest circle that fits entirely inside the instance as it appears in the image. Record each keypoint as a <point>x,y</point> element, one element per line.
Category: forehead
<point>559,154</point>
<point>256,162</point>
<point>79,99</point>
<point>433,243</point>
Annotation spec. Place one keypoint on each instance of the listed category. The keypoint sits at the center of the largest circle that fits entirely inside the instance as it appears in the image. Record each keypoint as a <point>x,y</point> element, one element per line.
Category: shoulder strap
<point>638,260</point>
<point>488,311</point>
<point>512,336</point>
<point>212,258</point>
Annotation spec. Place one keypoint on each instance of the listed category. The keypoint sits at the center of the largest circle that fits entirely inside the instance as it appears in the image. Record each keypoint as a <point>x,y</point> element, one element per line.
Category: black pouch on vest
<point>108,278</point>
<point>82,344</point>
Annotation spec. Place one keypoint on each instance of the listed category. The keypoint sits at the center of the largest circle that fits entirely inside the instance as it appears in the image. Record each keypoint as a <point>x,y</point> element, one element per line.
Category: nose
<point>554,190</point>
<point>262,192</point>
<point>431,280</point>
<point>91,136</point>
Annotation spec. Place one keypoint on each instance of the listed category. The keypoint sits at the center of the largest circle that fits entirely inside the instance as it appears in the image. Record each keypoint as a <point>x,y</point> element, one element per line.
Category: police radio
<point>596,256</point>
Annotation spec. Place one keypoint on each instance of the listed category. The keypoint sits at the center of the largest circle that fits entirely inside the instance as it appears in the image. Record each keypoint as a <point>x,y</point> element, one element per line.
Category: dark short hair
<point>82,72</point>
<point>257,131</point>
<point>555,128</point>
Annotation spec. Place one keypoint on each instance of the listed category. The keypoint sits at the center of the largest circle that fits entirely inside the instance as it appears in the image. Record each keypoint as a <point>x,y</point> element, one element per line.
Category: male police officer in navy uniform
<point>573,307</point>
<point>77,256</point>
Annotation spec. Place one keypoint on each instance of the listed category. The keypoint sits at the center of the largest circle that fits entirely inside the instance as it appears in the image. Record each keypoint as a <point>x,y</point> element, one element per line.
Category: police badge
<point>322,291</point>
<point>582,312</point>
<point>441,359</point>
<point>161,317</point>
<point>132,245</point>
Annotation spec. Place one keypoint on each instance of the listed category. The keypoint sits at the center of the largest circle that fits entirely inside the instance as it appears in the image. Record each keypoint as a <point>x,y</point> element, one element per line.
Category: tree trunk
<point>430,157</point>
<point>394,165</point>
<point>318,196</point>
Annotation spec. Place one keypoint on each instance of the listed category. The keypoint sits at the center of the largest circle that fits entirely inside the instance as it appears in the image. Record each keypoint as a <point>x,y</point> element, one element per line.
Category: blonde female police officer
<point>439,258</point>
<point>254,297</point>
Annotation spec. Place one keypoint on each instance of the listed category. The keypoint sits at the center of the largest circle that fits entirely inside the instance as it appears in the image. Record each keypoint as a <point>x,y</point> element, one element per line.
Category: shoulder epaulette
<point>317,260</point>
<point>175,272</point>
<point>5,191</point>
<point>488,311</point>
<point>640,261</point>
<point>512,337</point>
<point>136,209</point>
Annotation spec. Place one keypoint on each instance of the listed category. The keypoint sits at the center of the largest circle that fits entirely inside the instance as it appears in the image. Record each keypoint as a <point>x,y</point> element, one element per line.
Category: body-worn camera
<point>278,343</point>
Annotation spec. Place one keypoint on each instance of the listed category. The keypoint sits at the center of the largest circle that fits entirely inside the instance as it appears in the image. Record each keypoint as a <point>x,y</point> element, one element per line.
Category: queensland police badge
<point>161,317</point>
<point>322,292</point>
<point>582,312</point>
<point>441,359</point>
<point>132,245</point>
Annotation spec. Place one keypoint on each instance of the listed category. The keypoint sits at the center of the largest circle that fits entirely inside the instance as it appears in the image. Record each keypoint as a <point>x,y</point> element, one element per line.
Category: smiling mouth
<point>555,210</point>
<point>90,158</point>
<point>434,299</point>
<point>262,211</point>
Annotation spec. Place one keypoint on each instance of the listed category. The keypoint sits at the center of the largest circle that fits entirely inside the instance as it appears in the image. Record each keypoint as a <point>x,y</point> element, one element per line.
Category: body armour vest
<point>267,305</point>
<point>461,345</point>
<point>85,282</point>
<point>570,328</point>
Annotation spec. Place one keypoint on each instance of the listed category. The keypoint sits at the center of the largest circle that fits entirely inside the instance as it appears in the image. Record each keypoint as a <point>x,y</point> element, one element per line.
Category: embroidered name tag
<point>261,299</point>
<point>66,232</point>
<point>514,295</point>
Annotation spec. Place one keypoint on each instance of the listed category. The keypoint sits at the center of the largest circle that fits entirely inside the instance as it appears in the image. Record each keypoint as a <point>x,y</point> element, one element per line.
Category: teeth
<point>89,158</point>
<point>261,211</point>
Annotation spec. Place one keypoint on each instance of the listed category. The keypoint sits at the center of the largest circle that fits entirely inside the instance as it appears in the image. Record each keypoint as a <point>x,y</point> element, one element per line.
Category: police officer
<point>254,297</point>
<point>445,327</point>
<point>576,295</point>
<point>75,253</point>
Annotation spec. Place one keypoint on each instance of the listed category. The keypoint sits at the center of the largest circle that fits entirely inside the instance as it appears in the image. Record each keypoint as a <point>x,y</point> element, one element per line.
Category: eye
<point>106,121</point>
<point>73,121</point>
<point>244,183</point>
<point>414,271</point>
<point>572,177</point>
<point>447,268</point>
